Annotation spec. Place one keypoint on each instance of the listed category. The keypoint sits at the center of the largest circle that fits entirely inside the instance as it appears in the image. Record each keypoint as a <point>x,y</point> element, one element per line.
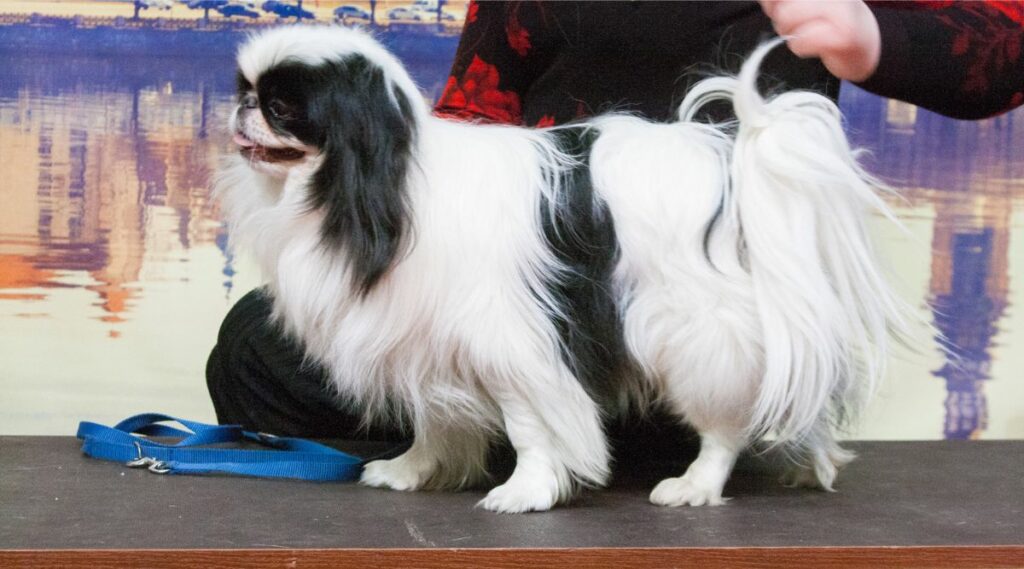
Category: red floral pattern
<point>546,121</point>
<point>986,40</point>
<point>471,12</point>
<point>518,36</point>
<point>990,47</point>
<point>1012,10</point>
<point>929,4</point>
<point>477,96</point>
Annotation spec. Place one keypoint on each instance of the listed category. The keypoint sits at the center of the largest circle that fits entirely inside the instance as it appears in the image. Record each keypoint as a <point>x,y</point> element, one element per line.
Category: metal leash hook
<point>270,440</point>
<point>153,465</point>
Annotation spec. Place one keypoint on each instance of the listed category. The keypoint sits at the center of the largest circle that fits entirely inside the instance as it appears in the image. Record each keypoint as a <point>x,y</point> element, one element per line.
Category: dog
<point>484,280</point>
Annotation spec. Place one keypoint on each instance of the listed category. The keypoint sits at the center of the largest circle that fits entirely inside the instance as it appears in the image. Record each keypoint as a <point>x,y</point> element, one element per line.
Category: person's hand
<point>843,34</point>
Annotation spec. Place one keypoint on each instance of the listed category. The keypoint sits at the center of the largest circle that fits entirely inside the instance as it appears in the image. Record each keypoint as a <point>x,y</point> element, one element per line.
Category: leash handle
<point>285,457</point>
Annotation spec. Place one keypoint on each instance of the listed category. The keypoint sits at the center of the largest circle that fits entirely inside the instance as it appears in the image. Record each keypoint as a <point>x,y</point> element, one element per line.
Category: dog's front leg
<point>559,444</point>
<point>408,471</point>
<point>443,455</point>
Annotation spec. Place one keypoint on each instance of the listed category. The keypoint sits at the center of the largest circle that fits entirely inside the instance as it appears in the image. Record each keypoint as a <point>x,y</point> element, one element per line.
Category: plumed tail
<point>802,201</point>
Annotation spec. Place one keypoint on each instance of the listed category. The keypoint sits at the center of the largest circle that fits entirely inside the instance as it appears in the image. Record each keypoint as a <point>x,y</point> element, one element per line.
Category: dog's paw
<point>398,474</point>
<point>822,477</point>
<point>801,477</point>
<point>522,494</point>
<point>683,491</point>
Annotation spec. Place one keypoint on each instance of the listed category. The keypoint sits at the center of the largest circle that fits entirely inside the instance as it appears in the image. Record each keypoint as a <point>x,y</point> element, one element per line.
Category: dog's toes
<point>683,491</point>
<point>397,474</point>
<point>800,477</point>
<point>521,495</point>
<point>821,478</point>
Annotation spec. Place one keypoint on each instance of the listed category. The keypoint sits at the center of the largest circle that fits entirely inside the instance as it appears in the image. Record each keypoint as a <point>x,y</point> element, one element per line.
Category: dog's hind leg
<point>707,363</point>
<point>818,458</point>
<point>705,478</point>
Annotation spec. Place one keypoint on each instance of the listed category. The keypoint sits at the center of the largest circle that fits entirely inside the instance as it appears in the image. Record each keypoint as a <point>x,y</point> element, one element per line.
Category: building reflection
<point>98,181</point>
<point>970,176</point>
<point>106,165</point>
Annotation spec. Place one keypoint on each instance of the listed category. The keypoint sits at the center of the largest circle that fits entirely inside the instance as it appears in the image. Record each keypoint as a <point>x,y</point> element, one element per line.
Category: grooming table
<point>901,504</point>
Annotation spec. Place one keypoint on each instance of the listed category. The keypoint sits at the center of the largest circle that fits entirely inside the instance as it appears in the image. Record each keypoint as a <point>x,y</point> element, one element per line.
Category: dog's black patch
<point>581,233</point>
<point>242,84</point>
<point>364,129</point>
<point>709,230</point>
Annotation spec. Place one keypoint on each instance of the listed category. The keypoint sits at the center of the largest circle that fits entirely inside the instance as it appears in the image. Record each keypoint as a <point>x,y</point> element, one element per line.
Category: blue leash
<point>291,458</point>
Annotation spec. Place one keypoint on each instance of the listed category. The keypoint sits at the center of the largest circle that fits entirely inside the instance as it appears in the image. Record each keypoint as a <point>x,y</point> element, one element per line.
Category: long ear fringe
<point>802,200</point>
<point>362,183</point>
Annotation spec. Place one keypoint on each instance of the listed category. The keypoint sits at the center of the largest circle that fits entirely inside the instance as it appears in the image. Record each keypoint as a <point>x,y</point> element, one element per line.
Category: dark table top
<point>894,494</point>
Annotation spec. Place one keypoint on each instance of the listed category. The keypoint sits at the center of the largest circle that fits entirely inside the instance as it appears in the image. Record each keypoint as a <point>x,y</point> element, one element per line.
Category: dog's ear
<point>361,186</point>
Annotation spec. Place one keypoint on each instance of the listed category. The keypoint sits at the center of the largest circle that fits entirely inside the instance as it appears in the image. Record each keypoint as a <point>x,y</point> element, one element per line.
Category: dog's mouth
<point>259,153</point>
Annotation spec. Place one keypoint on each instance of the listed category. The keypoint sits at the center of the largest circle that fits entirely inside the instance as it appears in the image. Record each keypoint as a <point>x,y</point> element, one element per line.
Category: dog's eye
<point>279,109</point>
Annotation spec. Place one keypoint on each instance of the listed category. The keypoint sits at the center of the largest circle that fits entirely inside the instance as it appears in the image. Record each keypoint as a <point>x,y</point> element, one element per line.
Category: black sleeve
<point>959,59</point>
<point>504,47</point>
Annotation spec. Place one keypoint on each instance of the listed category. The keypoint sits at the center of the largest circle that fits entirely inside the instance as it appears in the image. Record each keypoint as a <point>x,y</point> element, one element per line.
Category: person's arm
<point>504,47</point>
<point>963,60</point>
<point>960,59</point>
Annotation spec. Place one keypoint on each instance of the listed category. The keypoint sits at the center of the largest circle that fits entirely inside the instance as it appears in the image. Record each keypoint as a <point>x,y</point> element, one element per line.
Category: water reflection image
<point>114,275</point>
<point>965,181</point>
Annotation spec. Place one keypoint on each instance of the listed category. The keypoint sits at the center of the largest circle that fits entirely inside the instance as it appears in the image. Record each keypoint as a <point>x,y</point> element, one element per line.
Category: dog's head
<point>334,102</point>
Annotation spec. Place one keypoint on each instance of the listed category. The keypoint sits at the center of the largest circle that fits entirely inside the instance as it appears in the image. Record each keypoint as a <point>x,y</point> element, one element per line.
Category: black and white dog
<point>478,279</point>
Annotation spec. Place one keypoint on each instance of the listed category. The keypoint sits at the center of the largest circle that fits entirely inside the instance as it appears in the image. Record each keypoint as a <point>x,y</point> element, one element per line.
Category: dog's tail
<point>802,200</point>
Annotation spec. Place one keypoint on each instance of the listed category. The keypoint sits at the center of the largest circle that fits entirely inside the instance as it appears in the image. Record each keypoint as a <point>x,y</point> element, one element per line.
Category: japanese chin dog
<point>479,280</point>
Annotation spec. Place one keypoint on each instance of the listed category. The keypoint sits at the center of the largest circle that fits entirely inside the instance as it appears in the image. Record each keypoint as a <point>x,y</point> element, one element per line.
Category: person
<point>541,64</point>
<point>537,64</point>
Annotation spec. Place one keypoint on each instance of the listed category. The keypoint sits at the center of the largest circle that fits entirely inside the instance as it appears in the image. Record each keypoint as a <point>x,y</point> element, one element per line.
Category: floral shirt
<point>538,63</point>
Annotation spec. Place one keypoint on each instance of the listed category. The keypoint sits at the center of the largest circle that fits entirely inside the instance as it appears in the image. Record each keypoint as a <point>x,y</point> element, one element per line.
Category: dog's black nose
<point>250,101</point>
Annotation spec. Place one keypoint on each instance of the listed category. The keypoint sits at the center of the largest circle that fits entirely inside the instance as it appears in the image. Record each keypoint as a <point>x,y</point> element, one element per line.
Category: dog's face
<point>272,124</point>
<point>330,104</point>
<point>307,92</point>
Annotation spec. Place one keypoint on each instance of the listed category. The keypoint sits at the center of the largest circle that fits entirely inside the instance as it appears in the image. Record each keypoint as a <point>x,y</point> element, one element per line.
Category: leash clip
<point>153,465</point>
<point>270,440</point>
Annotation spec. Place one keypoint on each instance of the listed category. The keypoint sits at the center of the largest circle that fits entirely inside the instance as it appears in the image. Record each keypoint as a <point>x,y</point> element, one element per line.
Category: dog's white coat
<point>788,324</point>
